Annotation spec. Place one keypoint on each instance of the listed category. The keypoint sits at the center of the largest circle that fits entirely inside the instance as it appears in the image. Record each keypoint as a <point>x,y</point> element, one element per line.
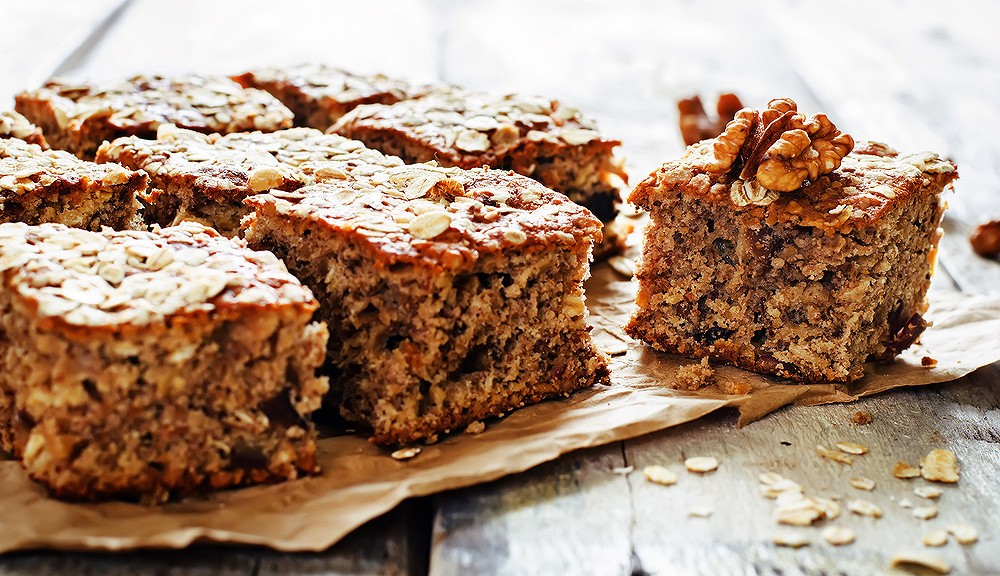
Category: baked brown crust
<point>807,284</point>
<point>38,185</point>
<point>536,137</point>
<point>153,364</point>
<point>319,94</point>
<point>77,117</point>
<point>206,177</point>
<point>14,125</point>
<point>871,181</point>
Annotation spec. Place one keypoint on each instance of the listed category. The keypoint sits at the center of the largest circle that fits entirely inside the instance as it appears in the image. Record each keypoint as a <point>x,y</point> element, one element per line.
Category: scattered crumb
<point>904,471</point>
<point>910,560</point>
<point>985,239</point>
<point>406,453</point>
<point>695,376</point>
<point>964,533</point>
<point>862,483</point>
<point>735,388</point>
<point>861,418</point>
<point>701,464</point>
<point>864,508</point>
<point>432,439</point>
<point>838,535</point>
<point>790,539</point>
<point>476,427</point>
<point>700,512</point>
<point>622,265</point>
<point>825,452</point>
<point>928,362</point>
<point>926,512</point>
<point>935,538</point>
<point>616,349</point>
<point>852,448</point>
<point>798,511</point>
<point>659,475</point>
<point>623,470</point>
<point>940,466</point>
<point>929,492</point>
<point>904,503</point>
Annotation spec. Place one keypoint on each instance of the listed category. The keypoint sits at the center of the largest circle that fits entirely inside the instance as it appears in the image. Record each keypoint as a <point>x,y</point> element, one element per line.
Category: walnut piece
<point>777,148</point>
<point>985,239</point>
<point>695,123</point>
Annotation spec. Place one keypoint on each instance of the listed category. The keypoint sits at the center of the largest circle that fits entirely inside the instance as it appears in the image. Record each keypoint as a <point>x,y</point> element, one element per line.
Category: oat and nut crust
<point>27,168</point>
<point>82,280</point>
<point>319,82</point>
<point>14,125</point>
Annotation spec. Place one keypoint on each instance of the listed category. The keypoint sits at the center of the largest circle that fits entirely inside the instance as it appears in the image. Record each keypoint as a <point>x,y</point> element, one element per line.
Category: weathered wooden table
<point>919,75</point>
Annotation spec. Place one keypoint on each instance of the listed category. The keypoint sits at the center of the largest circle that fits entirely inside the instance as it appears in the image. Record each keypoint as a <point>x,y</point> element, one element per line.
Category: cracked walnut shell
<point>778,147</point>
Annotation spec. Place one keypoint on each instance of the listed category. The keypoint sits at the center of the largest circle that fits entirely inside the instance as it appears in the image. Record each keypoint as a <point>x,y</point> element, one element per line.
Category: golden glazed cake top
<point>442,217</point>
<point>27,168</point>
<point>113,280</point>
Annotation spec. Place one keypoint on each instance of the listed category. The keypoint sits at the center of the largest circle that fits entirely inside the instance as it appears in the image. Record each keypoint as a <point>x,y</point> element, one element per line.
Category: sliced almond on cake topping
<point>429,224</point>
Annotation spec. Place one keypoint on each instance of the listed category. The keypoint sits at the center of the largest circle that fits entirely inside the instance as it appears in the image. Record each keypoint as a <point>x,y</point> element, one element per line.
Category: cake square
<point>782,255</point>
<point>451,295</point>
<point>14,125</point>
<point>78,117</point>
<point>205,178</point>
<point>38,185</point>
<point>319,94</point>
<point>152,364</point>
<point>537,137</point>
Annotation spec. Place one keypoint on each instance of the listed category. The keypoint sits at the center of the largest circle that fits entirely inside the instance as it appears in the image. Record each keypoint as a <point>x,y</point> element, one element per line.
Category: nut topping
<point>694,121</point>
<point>777,148</point>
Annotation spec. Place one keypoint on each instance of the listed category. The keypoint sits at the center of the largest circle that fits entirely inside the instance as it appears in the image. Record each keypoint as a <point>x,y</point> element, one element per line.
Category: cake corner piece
<point>785,255</point>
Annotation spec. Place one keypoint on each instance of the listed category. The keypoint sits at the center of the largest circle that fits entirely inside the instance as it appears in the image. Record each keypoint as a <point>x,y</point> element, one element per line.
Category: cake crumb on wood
<point>861,418</point>
<point>695,376</point>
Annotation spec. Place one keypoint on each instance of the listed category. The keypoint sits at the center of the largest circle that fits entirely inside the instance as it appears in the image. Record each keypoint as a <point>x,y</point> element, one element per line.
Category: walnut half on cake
<point>151,364</point>
<point>452,295</point>
<point>775,248</point>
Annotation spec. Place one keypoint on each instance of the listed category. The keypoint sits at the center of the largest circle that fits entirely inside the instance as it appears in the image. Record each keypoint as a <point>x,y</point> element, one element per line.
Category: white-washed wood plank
<point>38,35</point>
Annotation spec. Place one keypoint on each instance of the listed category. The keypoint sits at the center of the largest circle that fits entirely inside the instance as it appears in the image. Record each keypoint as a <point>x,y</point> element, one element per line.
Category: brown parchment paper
<point>360,481</point>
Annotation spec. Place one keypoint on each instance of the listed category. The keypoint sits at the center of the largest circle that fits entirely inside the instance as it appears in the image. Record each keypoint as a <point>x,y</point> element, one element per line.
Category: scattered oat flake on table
<point>861,418</point>
<point>800,511</point>
<point>910,560</point>
<point>406,453</point>
<point>929,492</point>
<point>935,538</point>
<point>623,470</point>
<point>659,475</point>
<point>862,483</point>
<point>476,427</point>
<point>904,471</point>
<point>904,503</point>
<point>852,448</point>
<point>790,539</point>
<point>940,466</point>
<point>838,535</point>
<point>964,533</point>
<point>864,508</point>
<point>616,349</point>
<point>825,452</point>
<point>926,512</point>
<point>622,265</point>
<point>701,464</point>
<point>700,512</point>
<point>773,485</point>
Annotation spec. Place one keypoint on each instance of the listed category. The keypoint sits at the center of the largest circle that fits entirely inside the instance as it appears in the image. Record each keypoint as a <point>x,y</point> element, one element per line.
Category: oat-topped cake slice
<point>451,295</point>
<point>14,125</point>
<point>204,178</point>
<point>319,94</point>
<point>79,116</point>
<point>776,248</point>
<point>39,185</point>
<point>150,364</point>
<point>540,138</point>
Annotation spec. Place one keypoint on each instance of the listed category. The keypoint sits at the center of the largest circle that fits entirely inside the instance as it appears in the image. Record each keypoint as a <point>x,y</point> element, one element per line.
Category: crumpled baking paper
<point>361,481</point>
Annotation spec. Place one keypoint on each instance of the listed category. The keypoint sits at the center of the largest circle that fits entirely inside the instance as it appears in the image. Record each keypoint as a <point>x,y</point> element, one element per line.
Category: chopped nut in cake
<point>39,186</point>
<point>452,295</point>
<point>151,364</point>
<point>78,117</point>
<point>205,178</point>
<point>540,138</point>
<point>774,249</point>
<point>319,95</point>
